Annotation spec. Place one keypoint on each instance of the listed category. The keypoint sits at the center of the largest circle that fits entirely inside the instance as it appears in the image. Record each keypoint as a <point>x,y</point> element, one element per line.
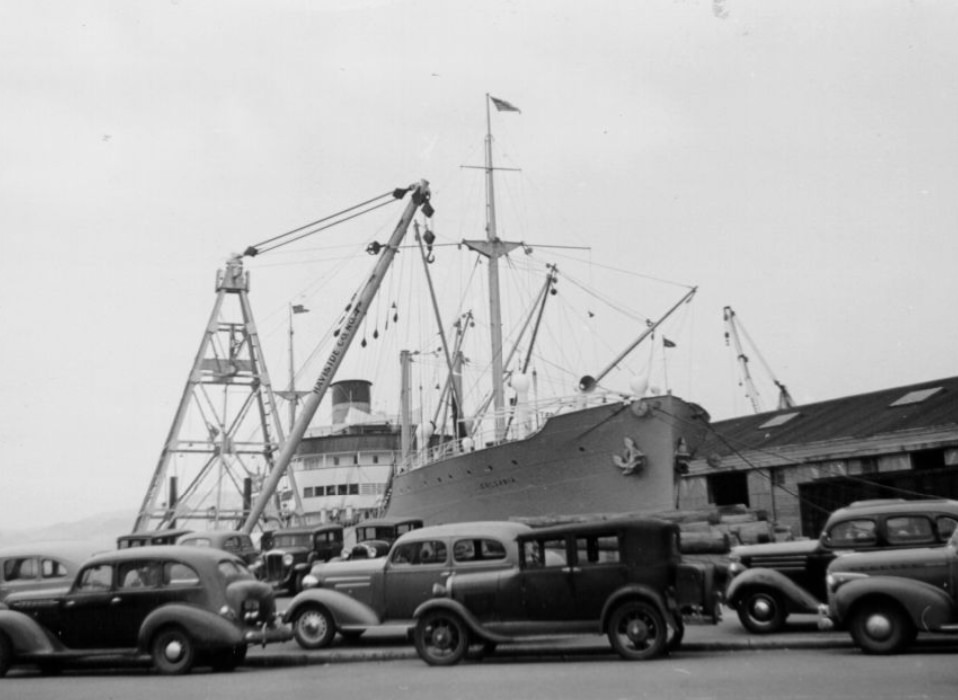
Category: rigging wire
<point>278,242</point>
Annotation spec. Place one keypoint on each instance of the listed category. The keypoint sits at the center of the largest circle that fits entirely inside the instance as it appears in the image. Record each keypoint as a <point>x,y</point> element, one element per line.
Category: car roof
<point>189,555</point>
<point>895,506</point>
<point>507,529</point>
<point>71,550</point>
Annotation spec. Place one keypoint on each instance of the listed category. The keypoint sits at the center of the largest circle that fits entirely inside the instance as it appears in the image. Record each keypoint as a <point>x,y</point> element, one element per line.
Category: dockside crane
<point>733,332</point>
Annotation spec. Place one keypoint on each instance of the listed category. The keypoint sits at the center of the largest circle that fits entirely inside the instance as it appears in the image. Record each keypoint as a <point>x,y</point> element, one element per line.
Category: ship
<point>597,451</point>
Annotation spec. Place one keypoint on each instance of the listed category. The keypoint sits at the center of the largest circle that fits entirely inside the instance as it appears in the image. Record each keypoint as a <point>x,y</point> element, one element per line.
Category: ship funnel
<point>350,394</point>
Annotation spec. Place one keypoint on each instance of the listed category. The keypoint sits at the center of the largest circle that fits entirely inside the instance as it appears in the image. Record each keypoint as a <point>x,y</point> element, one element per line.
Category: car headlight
<point>735,567</point>
<point>837,579</point>
<point>287,559</point>
<point>310,581</point>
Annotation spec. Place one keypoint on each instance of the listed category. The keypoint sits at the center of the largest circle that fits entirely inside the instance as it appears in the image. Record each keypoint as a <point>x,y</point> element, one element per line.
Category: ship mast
<point>494,248</point>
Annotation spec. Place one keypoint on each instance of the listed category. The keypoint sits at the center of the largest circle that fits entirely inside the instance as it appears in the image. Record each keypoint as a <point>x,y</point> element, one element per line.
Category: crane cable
<point>333,219</point>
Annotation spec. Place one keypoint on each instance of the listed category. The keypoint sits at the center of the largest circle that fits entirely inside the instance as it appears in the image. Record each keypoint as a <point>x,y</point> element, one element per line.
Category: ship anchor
<point>631,459</point>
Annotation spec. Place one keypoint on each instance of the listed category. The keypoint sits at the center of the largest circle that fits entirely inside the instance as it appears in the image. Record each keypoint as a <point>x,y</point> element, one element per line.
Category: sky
<point>797,161</point>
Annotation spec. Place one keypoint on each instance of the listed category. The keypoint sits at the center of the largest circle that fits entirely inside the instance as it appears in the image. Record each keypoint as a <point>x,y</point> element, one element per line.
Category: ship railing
<point>537,415</point>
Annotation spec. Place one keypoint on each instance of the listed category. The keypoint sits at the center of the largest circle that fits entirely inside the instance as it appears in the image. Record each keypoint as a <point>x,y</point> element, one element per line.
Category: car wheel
<point>882,628</point>
<point>6,654</point>
<point>441,638</point>
<point>172,651</point>
<point>313,627</point>
<point>762,612</point>
<point>637,631</point>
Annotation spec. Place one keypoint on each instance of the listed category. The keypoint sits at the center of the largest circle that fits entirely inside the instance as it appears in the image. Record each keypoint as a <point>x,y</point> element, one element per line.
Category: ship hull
<point>583,462</point>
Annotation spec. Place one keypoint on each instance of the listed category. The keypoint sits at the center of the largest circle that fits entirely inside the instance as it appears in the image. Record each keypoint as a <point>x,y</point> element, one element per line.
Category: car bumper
<point>825,621</point>
<point>268,635</point>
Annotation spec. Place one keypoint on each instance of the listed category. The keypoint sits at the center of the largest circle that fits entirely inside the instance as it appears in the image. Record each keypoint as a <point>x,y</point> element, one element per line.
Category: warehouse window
<point>728,489</point>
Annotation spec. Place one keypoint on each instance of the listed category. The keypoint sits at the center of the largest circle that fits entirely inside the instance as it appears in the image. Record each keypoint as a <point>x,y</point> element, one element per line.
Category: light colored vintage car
<point>350,597</point>
<point>40,566</point>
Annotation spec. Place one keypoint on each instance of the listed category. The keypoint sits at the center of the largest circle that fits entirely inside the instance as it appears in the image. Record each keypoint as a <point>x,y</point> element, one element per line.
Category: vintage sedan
<point>771,581</point>
<point>886,598</point>
<point>178,606</point>
<point>624,578</point>
<point>352,596</point>
<point>289,554</point>
<point>40,566</point>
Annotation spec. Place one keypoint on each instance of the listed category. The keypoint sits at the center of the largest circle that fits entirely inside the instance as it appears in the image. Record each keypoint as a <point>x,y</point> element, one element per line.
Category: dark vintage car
<point>178,606</point>
<point>624,578</point>
<point>885,598</point>
<point>352,596</point>
<point>374,537</point>
<point>150,538</point>
<point>768,582</point>
<point>40,566</point>
<point>238,543</point>
<point>291,553</point>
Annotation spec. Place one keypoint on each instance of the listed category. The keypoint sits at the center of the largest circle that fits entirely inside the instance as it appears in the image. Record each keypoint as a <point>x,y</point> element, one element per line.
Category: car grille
<point>274,567</point>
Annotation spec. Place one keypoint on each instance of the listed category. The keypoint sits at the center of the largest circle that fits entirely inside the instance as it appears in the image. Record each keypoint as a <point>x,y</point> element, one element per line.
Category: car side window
<point>946,527</point>
<point>51,568</point>
<point>537,554</point>
<point>597,549</point>
<point>478,550</point>
<point>429,552</point>
<point>22,568</point>
<point>909,529</point>
<point>177,575</point>
<point>139,574</point>
<point>853,533</point>
<point>96,578</point>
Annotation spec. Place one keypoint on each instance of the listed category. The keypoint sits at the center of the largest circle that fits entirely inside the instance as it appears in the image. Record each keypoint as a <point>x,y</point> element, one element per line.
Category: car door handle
<point>571,569</point>
<point>445,574</point>
<point>69,604</point>
<point>115,599</point>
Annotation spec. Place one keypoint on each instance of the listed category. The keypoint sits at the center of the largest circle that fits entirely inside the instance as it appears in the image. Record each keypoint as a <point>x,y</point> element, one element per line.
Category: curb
<point>269,659</point>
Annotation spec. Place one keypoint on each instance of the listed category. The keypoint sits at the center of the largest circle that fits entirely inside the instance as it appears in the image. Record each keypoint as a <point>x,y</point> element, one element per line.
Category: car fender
<point>928,606</point>
<point>468,618</point>
<point>207,629</point>
<point>798,597</point>
<point>346,610</point>
<point>631,592</point>
<point>26,635</point>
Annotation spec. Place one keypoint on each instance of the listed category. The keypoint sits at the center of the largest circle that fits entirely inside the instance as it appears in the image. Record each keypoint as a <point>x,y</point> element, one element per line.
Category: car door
<point>87,620</point>
<point>596,572</point>
<point>548,586</point>
<point>411,572</point>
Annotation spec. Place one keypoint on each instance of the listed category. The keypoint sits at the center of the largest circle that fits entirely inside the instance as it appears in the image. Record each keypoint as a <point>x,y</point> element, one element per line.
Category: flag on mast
<point>299,309</point>
<point>504,106</point>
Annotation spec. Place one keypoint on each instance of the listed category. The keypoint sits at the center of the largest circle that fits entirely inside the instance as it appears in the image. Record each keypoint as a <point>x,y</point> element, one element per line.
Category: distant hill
<point>101,529</point>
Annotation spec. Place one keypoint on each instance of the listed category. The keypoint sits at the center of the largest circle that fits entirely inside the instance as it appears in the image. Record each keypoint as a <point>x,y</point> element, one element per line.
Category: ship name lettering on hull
<point>496,483</point>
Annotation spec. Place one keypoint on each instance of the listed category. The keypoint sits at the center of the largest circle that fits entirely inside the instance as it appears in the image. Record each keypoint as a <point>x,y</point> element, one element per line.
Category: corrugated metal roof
<point>861,417</point>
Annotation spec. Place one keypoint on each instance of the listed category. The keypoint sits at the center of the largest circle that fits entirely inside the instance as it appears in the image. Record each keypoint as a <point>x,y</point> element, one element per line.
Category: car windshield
<point>291,540</point>
<point>234,571</point>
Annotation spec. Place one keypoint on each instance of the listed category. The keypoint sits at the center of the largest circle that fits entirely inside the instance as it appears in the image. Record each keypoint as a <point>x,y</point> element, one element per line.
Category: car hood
<point>893,561</point>
<point>324,570</point>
